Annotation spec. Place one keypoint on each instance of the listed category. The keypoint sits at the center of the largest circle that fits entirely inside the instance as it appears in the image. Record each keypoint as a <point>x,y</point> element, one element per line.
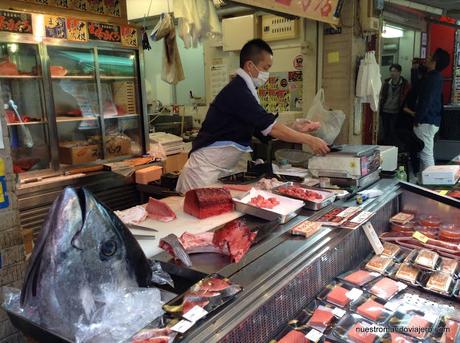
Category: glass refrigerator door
<point>120,103</point>
<point>73,75</point>
<point>21,88</point>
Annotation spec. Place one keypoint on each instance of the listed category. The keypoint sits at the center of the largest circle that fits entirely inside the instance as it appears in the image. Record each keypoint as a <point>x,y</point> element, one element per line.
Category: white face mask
<point>261,78</point>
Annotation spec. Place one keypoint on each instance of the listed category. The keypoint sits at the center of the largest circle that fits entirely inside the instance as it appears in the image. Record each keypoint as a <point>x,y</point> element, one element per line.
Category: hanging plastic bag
<point>330,121</point>
<point>375,83</point>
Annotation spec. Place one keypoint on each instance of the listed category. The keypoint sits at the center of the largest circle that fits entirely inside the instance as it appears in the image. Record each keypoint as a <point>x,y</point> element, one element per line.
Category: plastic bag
<point>126,312</point>
<point>330,121</point>
<point>369,84</point>
<point>305,125</point>
<point>157,151</point>
<point>159,276</point>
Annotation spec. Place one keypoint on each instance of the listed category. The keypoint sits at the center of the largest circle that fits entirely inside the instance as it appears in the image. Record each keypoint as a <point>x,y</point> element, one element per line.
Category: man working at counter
<point>233,118</point>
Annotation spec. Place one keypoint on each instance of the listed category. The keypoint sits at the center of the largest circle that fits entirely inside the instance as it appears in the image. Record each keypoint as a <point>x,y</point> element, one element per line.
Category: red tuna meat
<point>158,210</point>
<point>261,202</point>
<point>236,237</point>
<point>293,337</point>
<point>213,285</point>
<point>200,298</point>
<point>207,202</point>
<point>154,336</point>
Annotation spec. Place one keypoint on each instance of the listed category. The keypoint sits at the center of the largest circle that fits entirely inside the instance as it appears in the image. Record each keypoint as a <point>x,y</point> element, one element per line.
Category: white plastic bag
<point>369,82</point>
<point>330,121</point>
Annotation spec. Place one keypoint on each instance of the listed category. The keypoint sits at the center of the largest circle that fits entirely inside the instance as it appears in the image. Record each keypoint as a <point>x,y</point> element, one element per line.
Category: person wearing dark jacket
<point>393,96</point>
<point>427,116</point>
<point>233,118</point>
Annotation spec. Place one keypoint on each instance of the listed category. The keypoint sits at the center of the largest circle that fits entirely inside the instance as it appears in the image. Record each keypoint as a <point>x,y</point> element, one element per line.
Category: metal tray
<point>328,199</point>
<point>241,178</point>
<point>266,213</point>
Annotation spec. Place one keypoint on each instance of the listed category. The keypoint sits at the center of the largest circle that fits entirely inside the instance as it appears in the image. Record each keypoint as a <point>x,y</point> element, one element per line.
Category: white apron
<point>206,165</point>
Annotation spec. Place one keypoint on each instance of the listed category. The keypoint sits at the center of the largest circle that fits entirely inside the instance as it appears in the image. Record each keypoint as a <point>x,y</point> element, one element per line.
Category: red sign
<point>104,32</point>
<point>15,22</point>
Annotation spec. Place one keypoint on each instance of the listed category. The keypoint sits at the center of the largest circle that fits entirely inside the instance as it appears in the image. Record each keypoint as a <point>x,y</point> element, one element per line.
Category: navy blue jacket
<point>429,105</point>
<point>234,115</point>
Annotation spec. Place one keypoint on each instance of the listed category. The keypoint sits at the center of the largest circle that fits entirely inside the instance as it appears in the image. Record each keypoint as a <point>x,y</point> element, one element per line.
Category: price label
<point>431,317</point>
<point>420,237</point>
<point>195,314</point>
<point>401,286</point>
<point>373,238</point>
<point>314,335</point>
<point>338,312</point>
<point>392,306</point>
<point>374,274</point>
<point>182,326</point>
<point>354,294</point>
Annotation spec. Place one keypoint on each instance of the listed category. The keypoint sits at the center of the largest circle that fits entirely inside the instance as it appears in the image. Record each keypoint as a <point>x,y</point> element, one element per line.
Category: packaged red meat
<point>300,192</point>
<point>354,328</point>
<point>373,310</point>
<point>321,318</point>
<point>357,220</point>
<point>449,266</point>
<point>340,294</point>
<point>407,273</point>
<point>418,327</point>
<point>359,277</point>
<point>338,216</point>
<point>306,228</point>
<point>450,235</point>
<point>406,227</point>
<point>390,249</point>
<point>430,221</point>
<point>414,323</point>
<point>440,283</point>
<point>399,338</point>
<point>402,218</point>
<point>451,332</point>
<point>154,335</point>
<point>293,336</point>
<point>427,259</point>
<point>385,288</point>
<point>207,202</point>
<point>428,231</point>
<point>380,264</point>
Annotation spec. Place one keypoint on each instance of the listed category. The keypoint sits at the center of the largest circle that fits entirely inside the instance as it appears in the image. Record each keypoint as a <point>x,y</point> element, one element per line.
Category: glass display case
<point>21,87</point>
<point>70,103</point>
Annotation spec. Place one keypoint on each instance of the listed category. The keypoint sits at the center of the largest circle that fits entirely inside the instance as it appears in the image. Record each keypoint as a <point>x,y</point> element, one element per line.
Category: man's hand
<point>317,145</point>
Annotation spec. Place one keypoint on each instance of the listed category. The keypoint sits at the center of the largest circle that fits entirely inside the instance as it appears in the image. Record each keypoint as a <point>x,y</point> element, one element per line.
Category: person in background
<point>233,118</point>
<point>393,96</point>
<point>427,115</point>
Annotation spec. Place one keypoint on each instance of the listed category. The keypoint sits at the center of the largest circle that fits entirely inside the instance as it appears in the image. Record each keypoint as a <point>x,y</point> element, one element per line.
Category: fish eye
<point>109,248</point>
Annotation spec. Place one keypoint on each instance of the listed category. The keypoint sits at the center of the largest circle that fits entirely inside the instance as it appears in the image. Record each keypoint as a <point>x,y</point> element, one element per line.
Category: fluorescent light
<point>38,22</point>
<point>392,32</point>
<point>13,47</point>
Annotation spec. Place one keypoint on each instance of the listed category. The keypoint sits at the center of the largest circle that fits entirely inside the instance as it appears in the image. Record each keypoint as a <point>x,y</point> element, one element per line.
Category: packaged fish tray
<point>411,275</point>
<point>313,198</point>
<point>355,329</point>
<point>289,335</point>
<point>394,251</point>
<point>380,264</point>
<point>396,337</point>
<point>443,284</point>
<point>358,277</point>
<point>209,294</point>
<point>418,323</point>
<point>450,266</point>
<point>425,259</point>
<point>448,330</point>
<point>318,315</point>
<point>385,288</point>
<point>373,309</point>
<point>340,294</point>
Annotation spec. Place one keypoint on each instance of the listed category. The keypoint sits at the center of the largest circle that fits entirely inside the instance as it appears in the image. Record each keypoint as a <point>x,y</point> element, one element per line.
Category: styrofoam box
<point>441,175</point>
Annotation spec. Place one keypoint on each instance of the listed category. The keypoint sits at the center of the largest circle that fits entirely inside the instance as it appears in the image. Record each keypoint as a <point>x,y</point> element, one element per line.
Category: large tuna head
<point>81,247</point>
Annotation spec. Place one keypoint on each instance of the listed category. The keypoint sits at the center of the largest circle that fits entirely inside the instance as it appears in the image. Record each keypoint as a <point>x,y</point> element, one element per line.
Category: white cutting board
<point>184,222</point>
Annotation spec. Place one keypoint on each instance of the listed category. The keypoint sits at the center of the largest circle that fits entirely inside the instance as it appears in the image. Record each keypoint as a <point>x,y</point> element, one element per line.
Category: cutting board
<point>184,222</point>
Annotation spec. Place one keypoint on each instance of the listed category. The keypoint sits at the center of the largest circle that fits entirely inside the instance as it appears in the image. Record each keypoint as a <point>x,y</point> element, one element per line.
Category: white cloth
<point>205,166</point>
<point>426,133</point>
<point>197,20</point>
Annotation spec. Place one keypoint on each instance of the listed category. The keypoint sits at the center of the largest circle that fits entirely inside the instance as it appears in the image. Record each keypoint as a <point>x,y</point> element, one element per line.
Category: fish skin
<point>81,246</point>
<point>174,247</point>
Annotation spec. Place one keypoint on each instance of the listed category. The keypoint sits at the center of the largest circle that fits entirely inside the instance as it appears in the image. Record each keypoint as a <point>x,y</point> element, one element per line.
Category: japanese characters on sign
<point>104,32</point>
<point>15,22</point>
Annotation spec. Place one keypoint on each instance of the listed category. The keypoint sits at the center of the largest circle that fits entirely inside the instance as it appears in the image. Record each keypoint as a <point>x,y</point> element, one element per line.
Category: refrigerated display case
<point>21,83</point>
<point>77,103</point>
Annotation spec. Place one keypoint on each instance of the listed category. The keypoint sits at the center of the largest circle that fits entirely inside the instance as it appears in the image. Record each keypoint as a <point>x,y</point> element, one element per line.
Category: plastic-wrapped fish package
<point>358,277</point>
<point>373,309</point>
<point>355,329</point>
<point>419,323</point>
<point>385,288</point>
<point>340,294</point>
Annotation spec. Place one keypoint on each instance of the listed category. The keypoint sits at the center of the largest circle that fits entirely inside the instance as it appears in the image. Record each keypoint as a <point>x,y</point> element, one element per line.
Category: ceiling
<point>451,6</point>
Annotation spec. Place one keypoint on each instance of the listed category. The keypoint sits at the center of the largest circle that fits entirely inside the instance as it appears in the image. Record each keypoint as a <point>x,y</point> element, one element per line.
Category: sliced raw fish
<point>174,247</point>
<point>133,215</point>
<point>158,210</point>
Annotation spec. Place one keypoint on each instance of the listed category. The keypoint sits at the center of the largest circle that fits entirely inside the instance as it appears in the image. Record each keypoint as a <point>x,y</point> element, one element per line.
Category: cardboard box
<point>175,163</point>
<point>146,175</point>
<point>441,175</point>
<point>70,153</point>
<point>117,146</point>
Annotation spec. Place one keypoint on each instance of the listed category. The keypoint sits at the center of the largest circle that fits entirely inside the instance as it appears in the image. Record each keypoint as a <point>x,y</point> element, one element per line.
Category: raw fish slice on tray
<point>165,335</point>
<point>209,293</point>
<point>233,239</point>
<point>158,210</point>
